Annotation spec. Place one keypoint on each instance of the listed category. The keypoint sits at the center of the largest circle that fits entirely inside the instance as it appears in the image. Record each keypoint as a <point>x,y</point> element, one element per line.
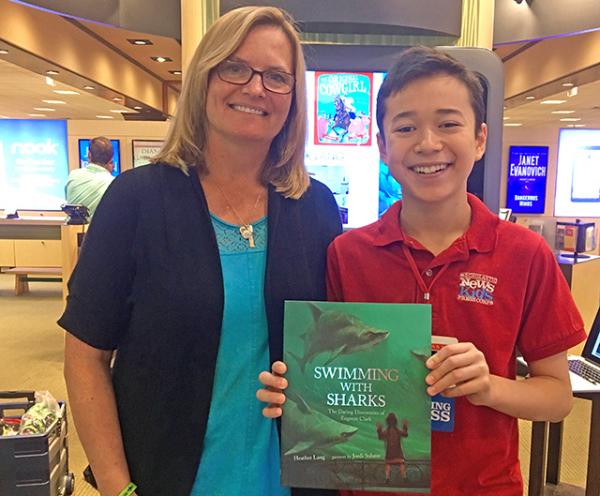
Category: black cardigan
<point>149,283</point>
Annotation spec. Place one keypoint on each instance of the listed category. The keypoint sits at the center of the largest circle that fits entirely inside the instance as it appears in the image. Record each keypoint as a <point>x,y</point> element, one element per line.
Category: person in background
<point>493,285</point>
<point>184,272</point>
<point>87,185</point>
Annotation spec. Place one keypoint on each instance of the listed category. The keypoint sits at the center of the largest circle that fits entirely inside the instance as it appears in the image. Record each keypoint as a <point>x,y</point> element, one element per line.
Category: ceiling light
<point>55,102</point>
<point>4,117</point>
<point>162,59</point>
<point>176,73</point>
<point>52,73</point>
<point>563,111</point>
<point>105,117</point>
<point>117,99</point>
<point>88,87</point>
<point>36,115</point>
<point>512,124</point>
<point>137,107</point>
<point>66,92</point>
<point>506,117</point>
<point>579,125</point>
<point>3,52</point>
<point>530,97</point>
<point>118,111</point>
<point>44,109</point>
<point>573,91</point>
<point>570,119</point>
<point>568,85</point>
<point>552,102</point>
<point>50,81</point>
<point>139,41</point>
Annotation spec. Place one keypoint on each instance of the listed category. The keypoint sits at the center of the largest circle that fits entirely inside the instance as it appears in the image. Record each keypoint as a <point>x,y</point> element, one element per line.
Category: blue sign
<point>33,164</point>
<point>526,184</point>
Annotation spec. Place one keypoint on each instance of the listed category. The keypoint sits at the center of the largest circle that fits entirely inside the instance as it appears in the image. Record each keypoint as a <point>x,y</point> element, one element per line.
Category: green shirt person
<point>87,185</point>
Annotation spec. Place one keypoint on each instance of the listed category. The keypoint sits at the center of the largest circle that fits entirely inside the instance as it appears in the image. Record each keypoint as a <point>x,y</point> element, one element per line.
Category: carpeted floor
<point>31,358</point>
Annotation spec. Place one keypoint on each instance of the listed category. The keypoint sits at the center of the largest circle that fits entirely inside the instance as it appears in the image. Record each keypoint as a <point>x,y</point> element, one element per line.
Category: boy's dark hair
<point>421,62</point>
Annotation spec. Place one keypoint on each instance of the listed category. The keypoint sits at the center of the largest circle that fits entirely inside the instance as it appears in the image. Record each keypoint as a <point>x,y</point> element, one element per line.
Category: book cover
<point>343,108</point>
<point>357,414</point>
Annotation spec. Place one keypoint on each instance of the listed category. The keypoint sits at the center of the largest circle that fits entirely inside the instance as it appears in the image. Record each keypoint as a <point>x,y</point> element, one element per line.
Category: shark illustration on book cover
<point>357,415</point>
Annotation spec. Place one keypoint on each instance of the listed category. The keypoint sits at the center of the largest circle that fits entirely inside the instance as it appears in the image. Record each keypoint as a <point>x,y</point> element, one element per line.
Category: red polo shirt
<point>501,289</point>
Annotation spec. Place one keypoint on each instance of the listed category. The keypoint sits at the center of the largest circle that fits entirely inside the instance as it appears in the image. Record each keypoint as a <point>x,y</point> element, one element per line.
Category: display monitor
<point>342,147</point>
<point>578,173</point>
<point>33,164</point>
<point>84,146</point>
<point>526,182</point>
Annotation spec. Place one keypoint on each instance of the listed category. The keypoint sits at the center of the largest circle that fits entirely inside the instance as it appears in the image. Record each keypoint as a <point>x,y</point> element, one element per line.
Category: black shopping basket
<point>34,465</point>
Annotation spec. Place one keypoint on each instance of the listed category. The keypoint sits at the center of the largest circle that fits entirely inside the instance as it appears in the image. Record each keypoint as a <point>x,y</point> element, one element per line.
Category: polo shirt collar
<point>96,168</point>
<point>480,237</point>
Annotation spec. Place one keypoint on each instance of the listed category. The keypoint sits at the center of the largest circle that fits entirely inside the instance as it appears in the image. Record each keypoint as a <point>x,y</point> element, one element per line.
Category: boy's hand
<point>273,392</point>
<point>459,370</point>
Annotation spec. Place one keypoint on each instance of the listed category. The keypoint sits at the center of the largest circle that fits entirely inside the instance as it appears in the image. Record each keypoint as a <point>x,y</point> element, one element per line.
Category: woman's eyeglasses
<point>240,73</point>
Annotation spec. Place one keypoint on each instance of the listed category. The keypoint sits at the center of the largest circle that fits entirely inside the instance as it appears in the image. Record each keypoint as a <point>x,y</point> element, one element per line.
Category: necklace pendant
<point>247,232</point>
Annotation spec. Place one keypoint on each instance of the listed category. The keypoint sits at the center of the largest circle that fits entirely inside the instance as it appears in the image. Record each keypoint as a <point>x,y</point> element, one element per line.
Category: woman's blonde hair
<point>186,140</point>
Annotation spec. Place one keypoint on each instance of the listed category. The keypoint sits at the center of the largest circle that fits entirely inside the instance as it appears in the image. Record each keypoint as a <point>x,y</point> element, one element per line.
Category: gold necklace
<point>246,229</point>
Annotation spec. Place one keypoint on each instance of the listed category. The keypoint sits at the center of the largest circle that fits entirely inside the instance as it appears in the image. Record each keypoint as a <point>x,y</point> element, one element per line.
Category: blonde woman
<point>185,270</point>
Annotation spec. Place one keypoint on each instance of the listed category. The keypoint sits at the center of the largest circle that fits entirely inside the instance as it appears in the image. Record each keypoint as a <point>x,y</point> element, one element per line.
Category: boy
<point>492,285</point>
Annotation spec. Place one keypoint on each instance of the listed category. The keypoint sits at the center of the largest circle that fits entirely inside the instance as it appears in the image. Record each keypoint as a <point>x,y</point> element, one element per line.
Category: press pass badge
<point>442,408</point>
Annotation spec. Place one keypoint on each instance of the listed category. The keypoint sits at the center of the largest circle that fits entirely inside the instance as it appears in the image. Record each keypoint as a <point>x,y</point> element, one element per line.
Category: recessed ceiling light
<point>530,97</point>
<point>139,41</point>
<point>162,59</point>
<point>506,117</point>
<point>52,73</point>
<point>55,102</point>
<point>44,109</point>
<point>137,107</point>
<point>552,102</point>
<point>66,92</point>
<point>176,73</point>
<point>88,87</point>
<point>579,125</point>
<point>3,52</point>
<point>105,117</point>
<point>512,124</point>
<point>568,85</point>
<point>563,111</point>
<point>36,115</point>
<point>117,99</point>
<point>50,81</point>
<point>570,119</point>
<point>118,111</point>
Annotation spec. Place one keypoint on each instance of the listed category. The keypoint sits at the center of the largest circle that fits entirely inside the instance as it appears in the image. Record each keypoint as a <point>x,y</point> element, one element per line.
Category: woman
<point>184,272</point>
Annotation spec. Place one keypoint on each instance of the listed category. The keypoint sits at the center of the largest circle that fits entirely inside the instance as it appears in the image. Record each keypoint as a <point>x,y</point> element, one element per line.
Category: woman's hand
<point>272,393</point>
<point>460,370</point>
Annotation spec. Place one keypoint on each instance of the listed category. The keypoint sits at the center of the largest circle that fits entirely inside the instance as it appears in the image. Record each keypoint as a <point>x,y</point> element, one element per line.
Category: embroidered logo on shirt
<point>478,288</point>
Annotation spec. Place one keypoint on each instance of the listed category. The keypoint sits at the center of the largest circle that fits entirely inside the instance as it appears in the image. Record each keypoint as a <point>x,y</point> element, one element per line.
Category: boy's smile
<point>430,142</point>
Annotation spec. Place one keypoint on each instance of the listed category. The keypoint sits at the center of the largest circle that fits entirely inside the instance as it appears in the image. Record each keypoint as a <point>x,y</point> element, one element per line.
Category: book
<point>357,413</point>
<point>343,108</point>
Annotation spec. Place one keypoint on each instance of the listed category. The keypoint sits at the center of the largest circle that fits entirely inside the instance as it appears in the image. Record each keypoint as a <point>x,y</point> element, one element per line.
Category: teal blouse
<point>241,447</point>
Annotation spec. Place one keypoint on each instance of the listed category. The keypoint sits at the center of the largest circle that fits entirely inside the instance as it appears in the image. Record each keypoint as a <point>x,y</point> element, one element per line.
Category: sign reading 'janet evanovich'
<point>526,184</point>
